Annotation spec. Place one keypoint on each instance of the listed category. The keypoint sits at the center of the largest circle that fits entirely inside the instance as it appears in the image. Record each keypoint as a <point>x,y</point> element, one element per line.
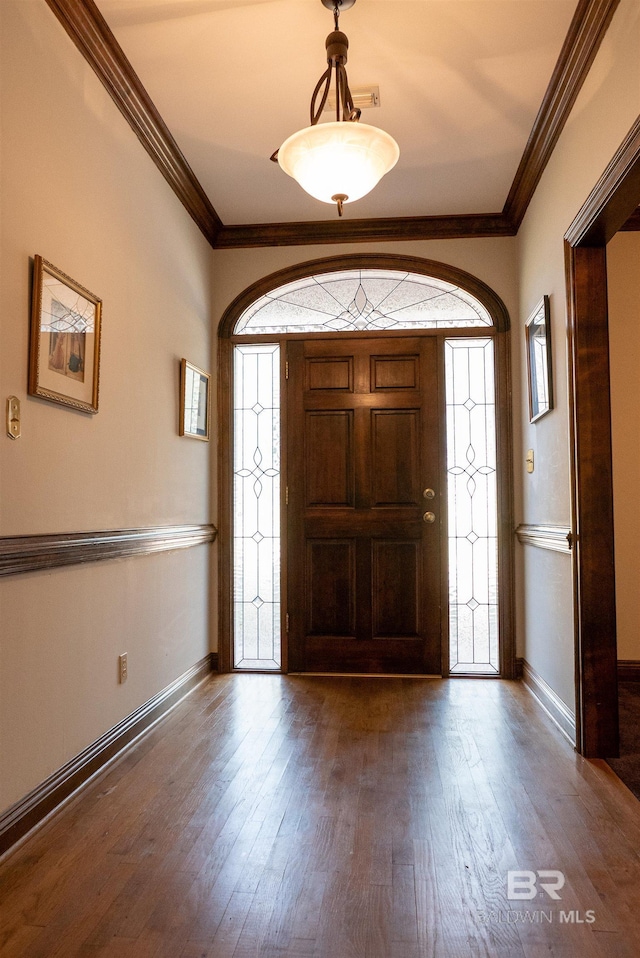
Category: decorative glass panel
<point>362,299</point>
<point>472,504</point>
<point>256,507</point>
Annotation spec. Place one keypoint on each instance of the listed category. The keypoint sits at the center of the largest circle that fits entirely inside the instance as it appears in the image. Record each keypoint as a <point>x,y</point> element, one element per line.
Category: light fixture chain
<point>329,161</point>
<point>317,113</point>
<point>349,111</point>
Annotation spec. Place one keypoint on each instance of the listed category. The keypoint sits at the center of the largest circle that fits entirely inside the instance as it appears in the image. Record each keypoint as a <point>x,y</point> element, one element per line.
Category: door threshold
<point>368,675</point>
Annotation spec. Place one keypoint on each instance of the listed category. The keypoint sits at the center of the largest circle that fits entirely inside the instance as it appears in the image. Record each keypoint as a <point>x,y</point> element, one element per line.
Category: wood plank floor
<point>312,817</point>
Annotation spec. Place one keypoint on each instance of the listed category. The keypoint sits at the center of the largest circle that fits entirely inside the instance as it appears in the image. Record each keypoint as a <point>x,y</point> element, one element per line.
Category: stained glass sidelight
<point>362,299</point>
<point>256,507</point>
<point>348,301</point>
<point>472,506</point>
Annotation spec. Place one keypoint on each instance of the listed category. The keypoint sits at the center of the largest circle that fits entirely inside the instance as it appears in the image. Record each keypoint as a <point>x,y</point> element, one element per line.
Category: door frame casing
<point>610,204</point>
<point>501,335</point>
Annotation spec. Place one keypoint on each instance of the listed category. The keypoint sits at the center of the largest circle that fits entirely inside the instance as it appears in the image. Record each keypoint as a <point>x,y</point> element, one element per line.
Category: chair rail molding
<point>545,536</point>
<point>31,553</point>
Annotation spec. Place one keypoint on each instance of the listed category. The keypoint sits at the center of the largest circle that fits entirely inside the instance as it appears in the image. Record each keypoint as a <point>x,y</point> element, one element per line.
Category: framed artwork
<point>64,350</point>
<point>194,401</point>
<point>539,361</point>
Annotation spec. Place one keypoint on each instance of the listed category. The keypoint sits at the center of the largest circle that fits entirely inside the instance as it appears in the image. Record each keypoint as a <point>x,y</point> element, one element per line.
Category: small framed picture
<point>539,361</point>
<point>194,401</point>
<point>64,351</point>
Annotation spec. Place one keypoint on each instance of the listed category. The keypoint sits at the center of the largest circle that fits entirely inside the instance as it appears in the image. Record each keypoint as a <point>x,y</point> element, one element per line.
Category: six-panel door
<point>363,564</point>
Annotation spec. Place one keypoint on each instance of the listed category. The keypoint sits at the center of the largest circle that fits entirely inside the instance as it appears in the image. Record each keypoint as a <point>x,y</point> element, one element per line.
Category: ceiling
<point>461,83</point>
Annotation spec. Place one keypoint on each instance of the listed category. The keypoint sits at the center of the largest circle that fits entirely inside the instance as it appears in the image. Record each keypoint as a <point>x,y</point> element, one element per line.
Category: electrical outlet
<point>122,667</point>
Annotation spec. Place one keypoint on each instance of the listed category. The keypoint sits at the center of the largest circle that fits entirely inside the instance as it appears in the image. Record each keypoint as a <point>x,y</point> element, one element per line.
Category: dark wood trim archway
<point>411,264</point>
<point>330,264</point>
<point>611,203</point>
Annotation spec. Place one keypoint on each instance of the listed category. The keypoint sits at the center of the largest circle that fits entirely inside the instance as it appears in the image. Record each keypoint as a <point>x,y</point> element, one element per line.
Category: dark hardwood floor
<point>627,766</point>
<point>312,817</point>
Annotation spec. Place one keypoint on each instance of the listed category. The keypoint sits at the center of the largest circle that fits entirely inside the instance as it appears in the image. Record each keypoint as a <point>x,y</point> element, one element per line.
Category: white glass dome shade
<point>342,158</point>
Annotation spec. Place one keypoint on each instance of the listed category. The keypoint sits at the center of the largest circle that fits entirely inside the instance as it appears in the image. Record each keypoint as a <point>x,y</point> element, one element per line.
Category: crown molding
<point>586,32</point>
<point>587,29</point>
<point>91,34</point>
<point>365,231</point>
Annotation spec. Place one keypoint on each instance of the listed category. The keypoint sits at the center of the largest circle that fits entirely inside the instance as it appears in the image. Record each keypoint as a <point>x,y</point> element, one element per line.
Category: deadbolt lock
<point>429,494</point>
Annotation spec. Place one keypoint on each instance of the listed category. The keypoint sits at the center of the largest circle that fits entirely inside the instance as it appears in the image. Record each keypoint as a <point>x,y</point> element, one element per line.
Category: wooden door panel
<point>373,656</point>
<point>331,587</point>
<point>362,524</point>
<point>395,456</point>
<point>329,458</point>
<point>331,372</point>
<point>395,586</point>
<point>363,579</point>
<point>395,372</point>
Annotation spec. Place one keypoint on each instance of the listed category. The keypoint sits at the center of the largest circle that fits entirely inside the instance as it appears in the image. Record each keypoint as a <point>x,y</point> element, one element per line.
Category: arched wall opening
<point>400,305</point>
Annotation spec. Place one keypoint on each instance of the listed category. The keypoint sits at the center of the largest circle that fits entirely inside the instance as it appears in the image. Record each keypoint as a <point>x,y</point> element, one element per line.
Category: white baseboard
<point>553,705</point>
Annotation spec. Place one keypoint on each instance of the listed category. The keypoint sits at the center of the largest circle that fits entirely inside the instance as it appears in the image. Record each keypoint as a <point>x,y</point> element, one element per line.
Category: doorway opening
<point>367,472</point>
<point>611,205</point>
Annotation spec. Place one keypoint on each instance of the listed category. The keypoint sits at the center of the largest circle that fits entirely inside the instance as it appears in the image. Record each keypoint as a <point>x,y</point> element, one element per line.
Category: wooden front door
<point>363,439</point>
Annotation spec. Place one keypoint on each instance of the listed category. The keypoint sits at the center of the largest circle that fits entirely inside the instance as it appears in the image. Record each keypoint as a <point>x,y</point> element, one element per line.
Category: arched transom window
<point>349,299</point>
<point>356,300</point>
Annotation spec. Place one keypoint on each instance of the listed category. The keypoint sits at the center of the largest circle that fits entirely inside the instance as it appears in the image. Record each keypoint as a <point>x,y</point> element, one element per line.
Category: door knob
<point>429,517</point>
<point>429,494</point>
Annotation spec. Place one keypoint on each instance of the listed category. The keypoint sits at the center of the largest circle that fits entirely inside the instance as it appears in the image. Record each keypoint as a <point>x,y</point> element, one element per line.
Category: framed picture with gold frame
<point>538,333</point>
<point>195,401</point>
<point>64,349</point>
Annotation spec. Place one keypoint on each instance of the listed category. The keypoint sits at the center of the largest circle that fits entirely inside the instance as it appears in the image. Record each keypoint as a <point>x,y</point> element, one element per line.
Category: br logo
<point>523,885</point>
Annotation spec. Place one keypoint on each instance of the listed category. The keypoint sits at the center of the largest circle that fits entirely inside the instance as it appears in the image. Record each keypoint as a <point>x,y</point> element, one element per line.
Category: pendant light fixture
<point>342,161</point>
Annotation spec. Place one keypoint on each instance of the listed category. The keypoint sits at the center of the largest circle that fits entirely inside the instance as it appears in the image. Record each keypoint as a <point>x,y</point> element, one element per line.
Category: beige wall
<point>623,269</point>
<point>77,187</point>
<point>603,114</point>
<point>492,260</point>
